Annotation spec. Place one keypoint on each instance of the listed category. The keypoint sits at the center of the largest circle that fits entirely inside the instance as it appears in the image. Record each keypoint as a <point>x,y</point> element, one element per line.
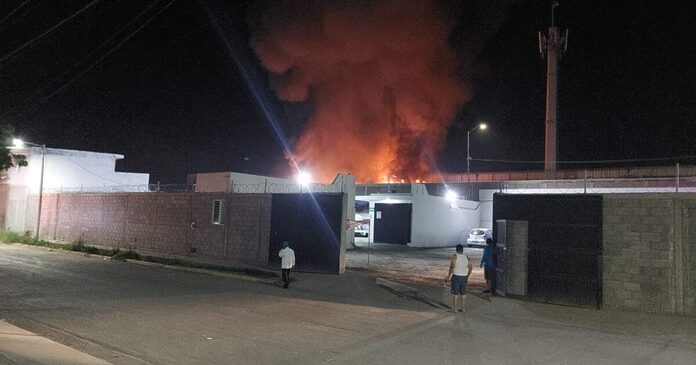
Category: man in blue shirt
<point>488,265</point>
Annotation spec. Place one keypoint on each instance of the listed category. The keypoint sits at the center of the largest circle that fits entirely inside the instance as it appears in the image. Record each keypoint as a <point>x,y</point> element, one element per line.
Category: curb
<point>224,274</point>
<point>203,271</point>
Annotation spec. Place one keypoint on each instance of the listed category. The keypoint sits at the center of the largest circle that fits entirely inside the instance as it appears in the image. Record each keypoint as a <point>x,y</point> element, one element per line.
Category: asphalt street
<point>131,314</point>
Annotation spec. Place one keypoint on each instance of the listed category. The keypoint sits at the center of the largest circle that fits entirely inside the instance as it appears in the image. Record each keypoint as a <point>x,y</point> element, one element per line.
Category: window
<point>217,211</point>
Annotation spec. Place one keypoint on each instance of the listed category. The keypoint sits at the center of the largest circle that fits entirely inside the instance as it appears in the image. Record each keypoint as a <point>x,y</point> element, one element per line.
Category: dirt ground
<point>416,265</point>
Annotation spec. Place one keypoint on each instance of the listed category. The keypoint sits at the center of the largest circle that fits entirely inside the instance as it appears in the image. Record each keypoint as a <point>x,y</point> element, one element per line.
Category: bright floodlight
<point>304,178</point>
<point>450,196</point>
<point>18,143</point>
<point>483,126</point>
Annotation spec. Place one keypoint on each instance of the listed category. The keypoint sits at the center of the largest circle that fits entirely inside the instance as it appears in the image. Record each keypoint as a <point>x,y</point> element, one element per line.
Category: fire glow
<point>379,76</point>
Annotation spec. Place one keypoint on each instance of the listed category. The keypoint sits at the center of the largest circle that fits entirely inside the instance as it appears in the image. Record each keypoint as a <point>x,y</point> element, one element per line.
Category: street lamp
<point>18,143</point>
<point>481,126</point>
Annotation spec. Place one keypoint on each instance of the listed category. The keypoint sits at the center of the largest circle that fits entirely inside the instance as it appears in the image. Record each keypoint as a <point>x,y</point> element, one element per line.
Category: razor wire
<point>285,188</point>
<point>141,188</point>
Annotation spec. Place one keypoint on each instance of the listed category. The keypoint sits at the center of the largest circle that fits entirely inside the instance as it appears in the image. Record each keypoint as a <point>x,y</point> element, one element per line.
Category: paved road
<point>131,314</point>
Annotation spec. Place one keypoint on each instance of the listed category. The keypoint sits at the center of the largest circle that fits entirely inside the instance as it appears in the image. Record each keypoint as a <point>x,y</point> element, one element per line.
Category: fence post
<point>265,186</point>
<point>585,181</point>
<point>158,186</point>
<point>677,185</point>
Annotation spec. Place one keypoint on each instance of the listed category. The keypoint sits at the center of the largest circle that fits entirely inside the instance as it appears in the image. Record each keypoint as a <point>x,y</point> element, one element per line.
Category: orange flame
<point>380,77</point>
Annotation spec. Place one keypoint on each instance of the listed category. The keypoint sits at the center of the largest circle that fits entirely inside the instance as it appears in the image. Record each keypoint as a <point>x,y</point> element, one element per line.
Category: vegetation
<point>7,158</point>
<point>79,245</point>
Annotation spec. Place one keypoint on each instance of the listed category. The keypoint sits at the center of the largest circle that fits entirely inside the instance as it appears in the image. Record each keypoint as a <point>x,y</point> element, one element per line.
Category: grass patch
<point>78,245</point>
<point>125,255</point>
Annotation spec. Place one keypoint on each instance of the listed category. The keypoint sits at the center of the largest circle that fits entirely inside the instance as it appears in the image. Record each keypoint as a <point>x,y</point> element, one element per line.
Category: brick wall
<point>650,252</point>
<point>161,222</point>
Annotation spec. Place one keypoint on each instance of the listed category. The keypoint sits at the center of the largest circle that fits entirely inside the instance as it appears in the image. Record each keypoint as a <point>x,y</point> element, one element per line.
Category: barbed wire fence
<point>257,188</point>
<point>603,186</point>
<point>141,188</point>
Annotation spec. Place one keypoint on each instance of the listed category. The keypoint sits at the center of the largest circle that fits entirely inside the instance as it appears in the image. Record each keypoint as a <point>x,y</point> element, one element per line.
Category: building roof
<point>70,153</point>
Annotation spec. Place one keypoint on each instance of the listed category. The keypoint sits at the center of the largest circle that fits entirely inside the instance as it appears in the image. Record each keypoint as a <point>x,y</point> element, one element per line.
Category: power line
<point>61,153</point>
<point>51,29</point>
<point>112,50</point>
<point>121,66</point>
<point>27,101</point>
<point>13,11</point>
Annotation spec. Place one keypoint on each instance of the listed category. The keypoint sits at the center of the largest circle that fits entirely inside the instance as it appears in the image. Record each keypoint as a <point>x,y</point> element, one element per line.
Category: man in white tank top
<point>459,271</point>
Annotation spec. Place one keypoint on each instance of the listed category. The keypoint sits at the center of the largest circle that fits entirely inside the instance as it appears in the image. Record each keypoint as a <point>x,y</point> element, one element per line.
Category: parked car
<point>478,236</point>
<point>361,233</point>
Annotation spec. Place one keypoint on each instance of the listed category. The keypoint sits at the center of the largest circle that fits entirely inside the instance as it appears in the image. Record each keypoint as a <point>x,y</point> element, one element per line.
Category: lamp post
<point>18,143</point>
<point>481,126</point>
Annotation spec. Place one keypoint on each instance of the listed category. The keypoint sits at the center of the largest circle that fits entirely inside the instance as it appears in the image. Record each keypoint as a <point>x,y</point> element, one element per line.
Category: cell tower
<point>552,46</point>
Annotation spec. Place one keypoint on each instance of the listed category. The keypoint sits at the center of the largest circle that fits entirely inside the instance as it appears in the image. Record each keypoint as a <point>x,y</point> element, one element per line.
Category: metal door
<point>392,223</point>
<point>564,257</point>
<point>500,256</point>
<point>311,223</point>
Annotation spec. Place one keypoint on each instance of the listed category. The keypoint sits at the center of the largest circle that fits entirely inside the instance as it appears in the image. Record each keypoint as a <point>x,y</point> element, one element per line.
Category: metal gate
<point>564,245</point>
<point>392,223</point>
<point>501,257</point>
<point>312,225</point>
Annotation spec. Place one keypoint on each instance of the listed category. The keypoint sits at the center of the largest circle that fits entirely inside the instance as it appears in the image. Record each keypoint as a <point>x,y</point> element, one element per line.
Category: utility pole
<point>41,185</point>
<point>552,46</point>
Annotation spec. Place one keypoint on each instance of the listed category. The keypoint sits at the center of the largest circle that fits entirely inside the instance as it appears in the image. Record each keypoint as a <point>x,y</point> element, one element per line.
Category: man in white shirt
<point>287,256</point>
<point>459,271</point>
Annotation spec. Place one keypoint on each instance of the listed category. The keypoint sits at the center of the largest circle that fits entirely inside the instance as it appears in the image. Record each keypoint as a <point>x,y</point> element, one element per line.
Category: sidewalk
<point>18,346</point>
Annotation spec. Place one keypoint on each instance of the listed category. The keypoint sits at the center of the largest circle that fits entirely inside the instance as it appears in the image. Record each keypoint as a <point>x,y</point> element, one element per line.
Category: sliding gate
<point>564,245</point>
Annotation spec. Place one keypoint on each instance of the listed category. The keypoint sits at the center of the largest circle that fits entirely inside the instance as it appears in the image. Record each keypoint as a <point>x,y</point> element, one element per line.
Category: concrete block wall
<point>172,223</point>
<point>517,237</point>
<point>689,257</point>
<point>649,252</point>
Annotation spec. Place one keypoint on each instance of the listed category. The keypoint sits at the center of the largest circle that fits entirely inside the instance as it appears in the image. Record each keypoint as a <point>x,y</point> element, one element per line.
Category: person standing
<point>459,271</point>
<point>488,265</point>
<point>287,256</point>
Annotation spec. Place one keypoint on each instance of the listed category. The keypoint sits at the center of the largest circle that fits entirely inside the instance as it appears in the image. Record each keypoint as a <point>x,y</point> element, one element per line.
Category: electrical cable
<point>51,29</point>
<point>112,50</point>
<point>174,41</point>
<point>13,11</point>
<point>27,100</point>
<point>61,153</point>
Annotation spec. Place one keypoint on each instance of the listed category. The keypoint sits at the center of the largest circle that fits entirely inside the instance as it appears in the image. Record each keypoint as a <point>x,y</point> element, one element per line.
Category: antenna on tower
<point>552,46</point>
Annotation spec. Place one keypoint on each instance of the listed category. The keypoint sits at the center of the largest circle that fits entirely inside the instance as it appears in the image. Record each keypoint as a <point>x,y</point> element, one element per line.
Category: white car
<point>361,233</point>
<point>478,236</point>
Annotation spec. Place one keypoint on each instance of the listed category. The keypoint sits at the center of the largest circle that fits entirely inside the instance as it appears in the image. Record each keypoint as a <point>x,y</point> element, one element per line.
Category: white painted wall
<point>69,170</point>
<point>486,199</point>
<point>438,223</point>
<point>72,169</point>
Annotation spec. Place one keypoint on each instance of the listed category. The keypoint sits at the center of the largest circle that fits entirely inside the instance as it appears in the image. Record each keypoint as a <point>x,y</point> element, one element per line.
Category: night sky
<point>153,80</point>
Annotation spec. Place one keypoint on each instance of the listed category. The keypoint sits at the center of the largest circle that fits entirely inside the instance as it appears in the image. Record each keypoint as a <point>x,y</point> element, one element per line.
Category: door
<point>392,223</point>
<point>564,248</point>
<point>311,223</point>
<point>500,256</point>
